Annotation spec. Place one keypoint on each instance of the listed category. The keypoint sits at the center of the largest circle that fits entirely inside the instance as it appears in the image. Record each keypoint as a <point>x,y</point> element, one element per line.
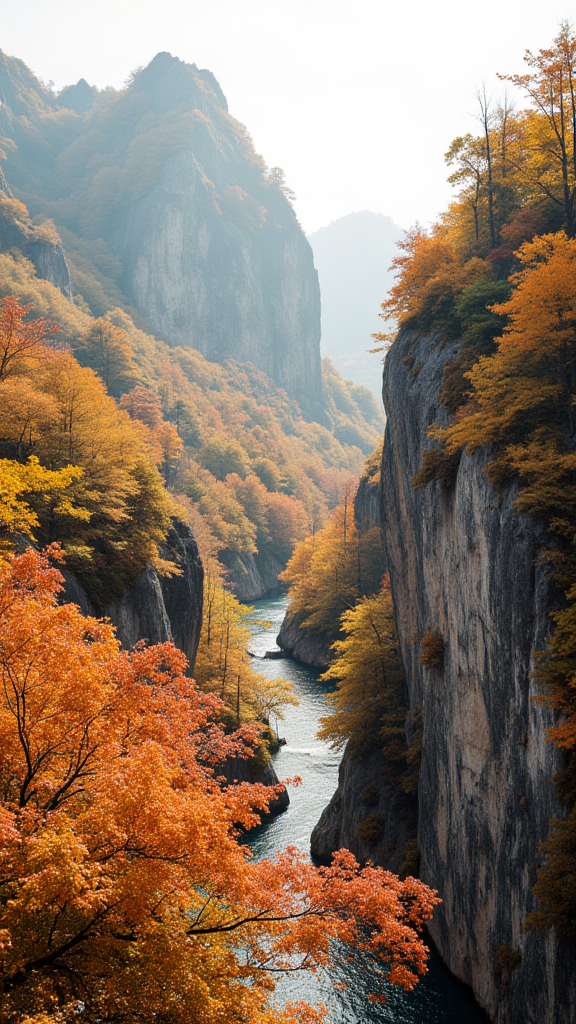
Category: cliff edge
<point>464,563</point>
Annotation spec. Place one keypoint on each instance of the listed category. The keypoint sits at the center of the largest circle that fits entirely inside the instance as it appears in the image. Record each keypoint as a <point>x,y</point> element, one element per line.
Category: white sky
<point>358,102</point>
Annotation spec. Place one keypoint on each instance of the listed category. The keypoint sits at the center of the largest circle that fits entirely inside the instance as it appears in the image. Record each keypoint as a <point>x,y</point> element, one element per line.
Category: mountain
<point>352,256</point>
<point>164,208</point>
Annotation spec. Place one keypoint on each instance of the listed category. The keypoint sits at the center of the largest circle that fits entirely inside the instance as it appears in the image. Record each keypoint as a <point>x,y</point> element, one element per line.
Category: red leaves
<point>122,882</point>
<point>19,338</point>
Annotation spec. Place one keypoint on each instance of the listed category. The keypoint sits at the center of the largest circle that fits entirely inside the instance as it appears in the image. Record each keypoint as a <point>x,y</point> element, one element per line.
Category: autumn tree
<point>143,404</point>
<point>369,711</point>
<point>106,349</point>
<point>330,570</point>
<point>223,455</point>
<point>20,337</point>
<point>30,494</point>
<point>550,132</point>
<point>368,674</point>
<point>123,887</point>
<point>27,414</point>
<point>523,395</point>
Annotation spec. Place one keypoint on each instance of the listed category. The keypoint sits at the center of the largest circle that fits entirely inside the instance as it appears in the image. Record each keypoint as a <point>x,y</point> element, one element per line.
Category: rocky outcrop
<point>463,562</point>
<point>17,232</point>
<point>251,577</point>
<point>213,255</point>
<point>361,800</point>
<point>255,770</point>
<point>312,649</point>
<point>157,608</point>
<point>182,595</point>
<point>367,505</point>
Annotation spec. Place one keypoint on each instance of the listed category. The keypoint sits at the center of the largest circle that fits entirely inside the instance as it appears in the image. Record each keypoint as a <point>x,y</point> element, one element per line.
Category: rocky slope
<point>311,650</point>
<point>161,608</point>
<point>16,232</point>
<point>158,608</point>
<point>162,199</point>
<point>464,563</point>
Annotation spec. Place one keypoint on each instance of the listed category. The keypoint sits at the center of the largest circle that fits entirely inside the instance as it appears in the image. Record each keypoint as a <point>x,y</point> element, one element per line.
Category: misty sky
<point>358,102</point>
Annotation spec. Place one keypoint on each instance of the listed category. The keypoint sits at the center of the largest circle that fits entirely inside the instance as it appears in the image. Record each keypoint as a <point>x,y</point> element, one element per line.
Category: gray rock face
<point>367,505</point>
<point>312,650</point>
<point>351,806</point>
<point>203,243</point>
<point>251,769</point>
<point>157,608</point>
<point>48,257</point>
<point>213,256</point>
<point>182,595</point>
<point>463,562</point>
<point>250,578</point>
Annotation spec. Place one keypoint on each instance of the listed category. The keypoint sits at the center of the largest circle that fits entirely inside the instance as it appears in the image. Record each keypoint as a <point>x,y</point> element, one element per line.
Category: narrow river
<point>438,999</point>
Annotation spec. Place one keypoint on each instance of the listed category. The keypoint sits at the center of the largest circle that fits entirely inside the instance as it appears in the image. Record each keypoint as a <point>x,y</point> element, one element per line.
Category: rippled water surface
<point>438,999</point>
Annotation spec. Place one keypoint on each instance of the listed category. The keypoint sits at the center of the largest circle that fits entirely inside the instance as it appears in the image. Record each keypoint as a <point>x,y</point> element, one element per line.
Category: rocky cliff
<point>462,562</point>
<point>361,800</point>
<point>17,232</point>
<point>157,608</point>
<point>251,577</point>
<point>311,649</point>
<point>162,196</point>
<point>367,504</point>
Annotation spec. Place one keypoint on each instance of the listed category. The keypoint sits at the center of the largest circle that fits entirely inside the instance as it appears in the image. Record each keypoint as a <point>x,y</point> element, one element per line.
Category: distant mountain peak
<point>353,256</point>
<point>172,81</point>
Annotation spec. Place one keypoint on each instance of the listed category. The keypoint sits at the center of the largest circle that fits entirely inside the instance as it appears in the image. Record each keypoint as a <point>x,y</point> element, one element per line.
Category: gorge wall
<point>162,200</point>
<point>464,563</point>
<point>157,608</point>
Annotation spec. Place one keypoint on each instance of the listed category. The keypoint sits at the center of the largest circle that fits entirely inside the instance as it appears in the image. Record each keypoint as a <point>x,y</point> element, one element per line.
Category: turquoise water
<point>438,999</point>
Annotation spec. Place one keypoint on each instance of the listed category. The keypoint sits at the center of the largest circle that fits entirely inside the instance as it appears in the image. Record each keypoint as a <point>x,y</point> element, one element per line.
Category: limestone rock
<point>157,608</point>
<point>463,562</point>
<point>360,796</point>
<point>310,649</point>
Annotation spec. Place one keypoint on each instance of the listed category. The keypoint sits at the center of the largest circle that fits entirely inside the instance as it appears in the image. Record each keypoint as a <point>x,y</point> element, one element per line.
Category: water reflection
<point>438,999</point>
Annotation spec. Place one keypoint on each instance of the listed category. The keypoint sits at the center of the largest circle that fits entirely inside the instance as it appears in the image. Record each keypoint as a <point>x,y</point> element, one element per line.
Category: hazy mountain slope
<point>160,198</point>
<point>352,256</point>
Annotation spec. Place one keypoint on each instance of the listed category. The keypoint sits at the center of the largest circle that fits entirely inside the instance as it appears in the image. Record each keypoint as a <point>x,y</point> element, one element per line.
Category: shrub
<point>371,830</point>
<point>437,465</point>
<point>370,795</point>
<point>432,649</point>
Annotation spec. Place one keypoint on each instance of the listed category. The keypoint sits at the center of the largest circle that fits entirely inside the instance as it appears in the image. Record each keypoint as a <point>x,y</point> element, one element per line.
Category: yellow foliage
<point>49,488</point>
<point>330,570</point>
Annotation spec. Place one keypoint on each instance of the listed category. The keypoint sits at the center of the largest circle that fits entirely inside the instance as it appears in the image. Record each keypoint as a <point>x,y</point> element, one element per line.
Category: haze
<point>358,102</point>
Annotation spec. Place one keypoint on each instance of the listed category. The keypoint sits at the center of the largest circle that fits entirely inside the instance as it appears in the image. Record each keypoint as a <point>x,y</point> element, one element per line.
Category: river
<point>438,998</point>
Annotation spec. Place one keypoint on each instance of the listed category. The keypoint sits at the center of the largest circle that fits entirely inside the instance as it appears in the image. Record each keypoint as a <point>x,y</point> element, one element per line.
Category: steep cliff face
<point>162,189</point>
<point>251,577</point>
<point>367,505</point>
<point>463,562</point>
<point>157,608</point>
<point>16,232</point>
<point>213,257</point>
<point>360,798</point>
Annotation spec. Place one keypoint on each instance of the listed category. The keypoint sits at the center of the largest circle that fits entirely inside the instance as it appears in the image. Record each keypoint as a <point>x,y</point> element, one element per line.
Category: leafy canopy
<point>123,887</point>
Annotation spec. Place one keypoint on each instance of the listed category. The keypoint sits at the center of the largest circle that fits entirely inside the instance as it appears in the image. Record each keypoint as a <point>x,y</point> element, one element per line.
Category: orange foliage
<point>525,390</point>
<point>122,881</point>
<point>19,338</point>
<point>430,275</point>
